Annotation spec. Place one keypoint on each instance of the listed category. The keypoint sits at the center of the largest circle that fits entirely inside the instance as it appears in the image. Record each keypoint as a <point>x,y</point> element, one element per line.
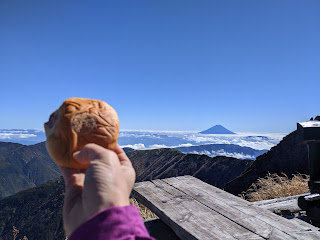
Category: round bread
<point>77,122</point>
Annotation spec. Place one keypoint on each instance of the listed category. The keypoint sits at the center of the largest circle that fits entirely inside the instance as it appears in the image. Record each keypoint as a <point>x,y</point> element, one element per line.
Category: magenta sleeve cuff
<point>114,223</point>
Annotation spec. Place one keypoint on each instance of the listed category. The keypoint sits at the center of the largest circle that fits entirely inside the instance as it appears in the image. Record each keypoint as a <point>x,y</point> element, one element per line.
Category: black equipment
<point>309,133</point>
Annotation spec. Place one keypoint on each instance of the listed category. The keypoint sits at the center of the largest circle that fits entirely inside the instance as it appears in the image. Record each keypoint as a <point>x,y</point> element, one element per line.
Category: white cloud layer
<point>224,153</point>
<point>8,136</point>
<point>155,146</point>
<point>185,145</point>
<point>256,141</point>
<point>165,139</point>
<point>137,146</point>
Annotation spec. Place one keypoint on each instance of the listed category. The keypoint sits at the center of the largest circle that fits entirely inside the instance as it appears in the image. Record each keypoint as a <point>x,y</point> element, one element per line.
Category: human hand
<point>108,181</point>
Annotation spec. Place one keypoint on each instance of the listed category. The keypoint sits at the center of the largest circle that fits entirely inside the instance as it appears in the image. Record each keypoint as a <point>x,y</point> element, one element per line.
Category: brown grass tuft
<point>143,210</point>
<point>275,186</point>
<point>15,232</point>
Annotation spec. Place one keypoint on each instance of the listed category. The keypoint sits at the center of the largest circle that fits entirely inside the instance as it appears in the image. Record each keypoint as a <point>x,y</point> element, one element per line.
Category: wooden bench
<point>197,210</point>
<point>282,205</point>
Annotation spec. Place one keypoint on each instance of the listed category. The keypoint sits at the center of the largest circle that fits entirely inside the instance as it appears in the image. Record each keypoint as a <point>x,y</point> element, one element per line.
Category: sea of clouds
<point>144,139</point>
<point>173,139</point>
<point>222,152</point>
<point>23,136</point>
<point>140,140</point>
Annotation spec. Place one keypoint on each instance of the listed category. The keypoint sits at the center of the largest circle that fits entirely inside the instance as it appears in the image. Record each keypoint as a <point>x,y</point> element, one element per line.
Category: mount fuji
<point>217,129</point>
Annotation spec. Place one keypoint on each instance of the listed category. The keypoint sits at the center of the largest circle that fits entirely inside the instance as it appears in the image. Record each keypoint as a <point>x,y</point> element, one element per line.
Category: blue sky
<point>163,65</point>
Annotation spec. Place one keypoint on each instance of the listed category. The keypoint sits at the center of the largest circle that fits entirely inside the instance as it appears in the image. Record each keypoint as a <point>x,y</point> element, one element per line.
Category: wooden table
<point>197,210</point>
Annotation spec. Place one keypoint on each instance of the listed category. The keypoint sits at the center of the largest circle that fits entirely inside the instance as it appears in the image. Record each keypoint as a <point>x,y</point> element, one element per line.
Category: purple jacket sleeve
<point>114,223</point>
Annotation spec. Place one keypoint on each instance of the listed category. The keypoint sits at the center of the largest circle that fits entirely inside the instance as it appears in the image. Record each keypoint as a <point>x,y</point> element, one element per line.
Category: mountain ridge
<point>217,129</point>
<point>23,167</point>
<point>167,162</point>
<point>25,208</point>
<point>289,157</point>
<point>37,212</point>
<point>229,150</point>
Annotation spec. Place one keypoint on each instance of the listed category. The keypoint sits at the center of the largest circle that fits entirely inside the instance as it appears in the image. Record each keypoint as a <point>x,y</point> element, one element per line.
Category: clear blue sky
<point>163,65</point>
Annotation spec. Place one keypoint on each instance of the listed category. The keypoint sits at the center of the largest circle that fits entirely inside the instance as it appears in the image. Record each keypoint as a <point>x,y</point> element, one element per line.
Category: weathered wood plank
<point>233,228</point>
<point>196,210</point>
<point>186,216</point>
<point>282,199</point>
<point>283,205</point>
<point>209,194</point>
<point>225,207</point>
<point>303,223</point>
<point>286,204</point>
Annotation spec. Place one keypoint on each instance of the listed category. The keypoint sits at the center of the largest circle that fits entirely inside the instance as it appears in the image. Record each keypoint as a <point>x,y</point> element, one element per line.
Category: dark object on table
<point>309,133</point>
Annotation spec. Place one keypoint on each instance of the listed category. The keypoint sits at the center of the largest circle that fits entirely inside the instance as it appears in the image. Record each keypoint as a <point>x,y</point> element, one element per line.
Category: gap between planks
<point>219,201</point>
<point>211,194</point>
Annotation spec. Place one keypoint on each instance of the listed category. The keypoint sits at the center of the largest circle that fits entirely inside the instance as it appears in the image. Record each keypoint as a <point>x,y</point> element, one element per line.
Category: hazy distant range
<point>239,145</point>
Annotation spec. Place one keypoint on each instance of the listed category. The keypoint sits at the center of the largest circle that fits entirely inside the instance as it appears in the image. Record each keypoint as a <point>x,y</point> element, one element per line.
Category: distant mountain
<point>23,167</point>
<point>36,213</point>
<point>127,149</point>
<point>164,163</point>
<point>288,157</point>
<point>217,129</point>
<point>228,150</point>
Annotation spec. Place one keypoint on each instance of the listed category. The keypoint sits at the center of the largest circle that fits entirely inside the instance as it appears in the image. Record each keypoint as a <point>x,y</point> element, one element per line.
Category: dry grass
<point>275,186</point>
<point>143,210</point>
<point>15,232</point>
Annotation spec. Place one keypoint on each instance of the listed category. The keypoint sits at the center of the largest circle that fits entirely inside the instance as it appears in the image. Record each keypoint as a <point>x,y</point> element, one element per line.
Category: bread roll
<point>77,122</point>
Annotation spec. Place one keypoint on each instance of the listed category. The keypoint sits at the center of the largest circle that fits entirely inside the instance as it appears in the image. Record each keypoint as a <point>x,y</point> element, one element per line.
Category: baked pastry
<point>77,122</point>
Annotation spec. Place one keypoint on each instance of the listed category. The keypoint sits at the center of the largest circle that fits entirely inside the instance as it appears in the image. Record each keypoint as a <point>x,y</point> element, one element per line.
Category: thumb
<point>88,153</point>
